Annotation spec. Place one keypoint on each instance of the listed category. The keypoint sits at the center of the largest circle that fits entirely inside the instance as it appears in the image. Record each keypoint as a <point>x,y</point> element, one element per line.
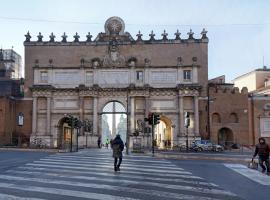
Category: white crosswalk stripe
<point>252,174</point>
<point>89,175</point>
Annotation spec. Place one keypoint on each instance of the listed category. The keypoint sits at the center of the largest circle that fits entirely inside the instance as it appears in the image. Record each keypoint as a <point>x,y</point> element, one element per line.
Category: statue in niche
<point>114,58</point>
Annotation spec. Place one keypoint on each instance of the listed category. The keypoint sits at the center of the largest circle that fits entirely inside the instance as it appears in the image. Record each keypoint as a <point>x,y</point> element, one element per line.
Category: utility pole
<point>72,129</point>
<point>127,138</point>
<point>187,124</point>
<point>153,135</point>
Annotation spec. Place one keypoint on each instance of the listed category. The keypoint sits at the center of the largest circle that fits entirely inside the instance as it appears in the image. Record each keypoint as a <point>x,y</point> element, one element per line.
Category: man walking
<point>117,146</point>
<point>263,150</point>
<point>99,142</point>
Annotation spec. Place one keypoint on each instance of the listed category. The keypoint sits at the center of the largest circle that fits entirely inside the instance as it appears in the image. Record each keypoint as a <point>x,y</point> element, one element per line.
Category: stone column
<point>195,74</point>
<point>48,116</point>
<point>81,103</point>
<point>146,111</point>
<point>181,116</point>
<point>34,116</point>
<point>196,116</point>
<point>132,114</point>
<point>113,122</point>
<point>95,116</point>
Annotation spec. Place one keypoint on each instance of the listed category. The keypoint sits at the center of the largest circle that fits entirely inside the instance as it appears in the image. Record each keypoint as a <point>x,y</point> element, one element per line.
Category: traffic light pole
<point>72,128</point>
<point>187,139</point>
<point>153,134</point>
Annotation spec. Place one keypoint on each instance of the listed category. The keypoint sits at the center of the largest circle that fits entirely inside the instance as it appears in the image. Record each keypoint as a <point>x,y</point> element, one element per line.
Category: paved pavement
<point>223,156</point>
<point>89,174</point>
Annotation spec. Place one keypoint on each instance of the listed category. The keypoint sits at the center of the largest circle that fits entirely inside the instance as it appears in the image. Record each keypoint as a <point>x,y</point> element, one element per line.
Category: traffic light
<point>156,119</point>
<point>187,119</point>
<point>69,121</point>
<point>150,118</point>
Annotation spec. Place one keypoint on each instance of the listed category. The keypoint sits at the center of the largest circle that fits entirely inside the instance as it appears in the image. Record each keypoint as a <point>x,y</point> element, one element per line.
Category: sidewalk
<point>235,157</point>
<point>28,149</point>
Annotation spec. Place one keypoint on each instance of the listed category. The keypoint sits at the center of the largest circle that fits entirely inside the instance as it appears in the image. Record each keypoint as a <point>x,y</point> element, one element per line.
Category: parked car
<point>206,145</point>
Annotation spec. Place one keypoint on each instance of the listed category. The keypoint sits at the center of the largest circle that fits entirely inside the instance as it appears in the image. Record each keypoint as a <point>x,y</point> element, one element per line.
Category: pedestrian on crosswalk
<point>118,146</point>
<point>263,150</point>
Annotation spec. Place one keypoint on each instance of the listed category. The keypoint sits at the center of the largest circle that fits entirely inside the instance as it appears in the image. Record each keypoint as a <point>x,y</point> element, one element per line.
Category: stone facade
<point>167,76</point>
<point>229,115</point>
<point>258,83</point>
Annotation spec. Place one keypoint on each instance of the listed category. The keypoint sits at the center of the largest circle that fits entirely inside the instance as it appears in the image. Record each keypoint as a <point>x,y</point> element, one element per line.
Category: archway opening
<point>64,132</point>
<point>163,133</point>
<point>225,137</point>
<point>114,121</point>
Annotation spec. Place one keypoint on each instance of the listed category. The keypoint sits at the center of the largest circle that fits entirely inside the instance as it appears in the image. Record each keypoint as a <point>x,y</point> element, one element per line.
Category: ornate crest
<point>114,58</point>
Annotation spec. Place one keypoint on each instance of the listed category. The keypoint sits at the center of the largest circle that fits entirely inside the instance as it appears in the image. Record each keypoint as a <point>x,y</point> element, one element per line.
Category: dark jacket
<point>262,150</point>
<point>117,146</point>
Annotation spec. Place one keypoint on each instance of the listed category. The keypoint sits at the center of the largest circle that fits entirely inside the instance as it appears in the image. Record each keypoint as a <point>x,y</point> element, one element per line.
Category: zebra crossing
<point>89,174</point>
<point>251,174</point>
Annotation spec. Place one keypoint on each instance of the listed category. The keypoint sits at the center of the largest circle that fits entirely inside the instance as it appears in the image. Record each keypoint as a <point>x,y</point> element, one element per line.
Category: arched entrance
<point>225,137</point>
<point>163,133</point>
<point>64,134</point>
<point>114,121</point>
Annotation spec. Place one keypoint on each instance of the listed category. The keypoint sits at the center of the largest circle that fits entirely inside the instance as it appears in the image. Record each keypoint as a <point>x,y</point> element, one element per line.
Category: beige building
<point>135,76</point>
<point>258,83</point>
<point>253,80</point>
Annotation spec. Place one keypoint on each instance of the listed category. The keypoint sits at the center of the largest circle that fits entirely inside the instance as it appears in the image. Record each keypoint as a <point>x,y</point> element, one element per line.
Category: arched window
<point>216,118</point>
<point>233,118</point>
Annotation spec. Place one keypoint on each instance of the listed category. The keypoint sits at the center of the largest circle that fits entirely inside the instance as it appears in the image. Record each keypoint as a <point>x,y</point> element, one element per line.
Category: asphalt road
<point>88,174</point>
<point>216,172</point>
<point>10,159</point>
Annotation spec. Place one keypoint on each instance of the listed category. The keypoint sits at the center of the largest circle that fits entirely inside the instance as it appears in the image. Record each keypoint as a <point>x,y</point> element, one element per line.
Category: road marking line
<point>109,173</point>
<point>106,158</point>
<point>107,170</point>
<point>72,193</point>
<point>252,174</point>
<point>171,167</point>
<point>110,163</point>
<point>12,197</point>
<point>143,178</point>
<point>107,166</point>
<point>108,187</point>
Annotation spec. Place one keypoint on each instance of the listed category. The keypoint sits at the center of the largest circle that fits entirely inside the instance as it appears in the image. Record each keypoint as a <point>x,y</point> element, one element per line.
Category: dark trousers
<point>265,161</point>
<point>117,161</point>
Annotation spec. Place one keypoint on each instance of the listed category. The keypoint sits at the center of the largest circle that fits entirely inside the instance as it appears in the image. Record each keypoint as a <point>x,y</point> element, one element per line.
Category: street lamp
<point>208,109</point>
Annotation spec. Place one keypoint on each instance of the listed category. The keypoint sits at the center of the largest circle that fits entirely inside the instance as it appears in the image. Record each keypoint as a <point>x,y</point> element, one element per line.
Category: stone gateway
<point>119,75</point>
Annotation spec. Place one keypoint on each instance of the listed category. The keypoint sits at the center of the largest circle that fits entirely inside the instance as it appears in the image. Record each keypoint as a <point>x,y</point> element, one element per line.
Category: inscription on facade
<point>66,78</point>
<point>163,77</point>
<point>114,77</point>
<point>65,103</point>
<point>163,104</point>
<point>265,127</point>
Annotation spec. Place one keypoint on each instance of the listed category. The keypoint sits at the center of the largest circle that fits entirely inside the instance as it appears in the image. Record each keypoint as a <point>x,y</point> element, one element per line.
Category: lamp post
<point>209,99</point>
<point>208,111</point>
<point>127,138</point>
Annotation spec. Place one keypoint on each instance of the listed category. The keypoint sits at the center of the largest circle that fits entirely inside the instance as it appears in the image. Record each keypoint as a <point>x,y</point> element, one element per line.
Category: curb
<point>192,157</point>
<point>26,149</point>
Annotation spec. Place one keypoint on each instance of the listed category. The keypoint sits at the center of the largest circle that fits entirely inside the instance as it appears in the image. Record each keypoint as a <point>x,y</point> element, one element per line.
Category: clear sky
<point>238,30</point>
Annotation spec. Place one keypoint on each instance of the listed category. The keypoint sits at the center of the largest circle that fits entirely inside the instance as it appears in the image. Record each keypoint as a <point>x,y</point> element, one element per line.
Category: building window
<point>233,118</point>
<point>216,118</point>
<point>44,77</point>
<point>89,77</point>
<point>139,76</point>
<point>187,75</point>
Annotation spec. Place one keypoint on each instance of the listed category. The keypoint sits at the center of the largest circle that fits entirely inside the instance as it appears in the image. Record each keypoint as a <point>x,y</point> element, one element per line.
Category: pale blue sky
<point>238,30</point>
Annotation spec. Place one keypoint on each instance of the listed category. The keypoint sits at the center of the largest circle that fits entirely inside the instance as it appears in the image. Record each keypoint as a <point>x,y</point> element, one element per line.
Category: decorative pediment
<point>114,28</point>
<point>114,58</point>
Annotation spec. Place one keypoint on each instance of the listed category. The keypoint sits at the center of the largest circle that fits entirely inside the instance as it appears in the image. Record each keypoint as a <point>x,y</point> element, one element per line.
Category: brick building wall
<point>229,115</point>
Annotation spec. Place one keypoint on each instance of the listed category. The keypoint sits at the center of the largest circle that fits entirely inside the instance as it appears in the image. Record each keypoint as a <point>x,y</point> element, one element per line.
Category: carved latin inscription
<point>163,77</point>
<point>66,78</point>
<point>163,104</point>
<point>113,77</point>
